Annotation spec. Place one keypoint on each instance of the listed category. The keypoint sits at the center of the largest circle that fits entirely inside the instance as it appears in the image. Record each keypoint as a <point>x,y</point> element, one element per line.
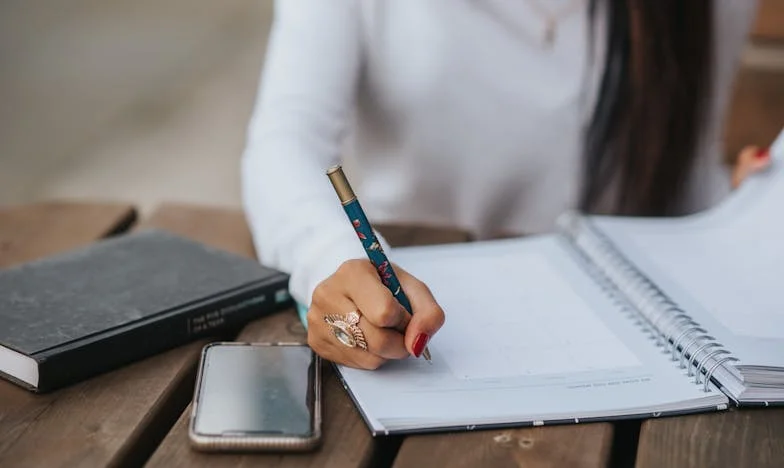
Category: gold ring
<point>346,329</point>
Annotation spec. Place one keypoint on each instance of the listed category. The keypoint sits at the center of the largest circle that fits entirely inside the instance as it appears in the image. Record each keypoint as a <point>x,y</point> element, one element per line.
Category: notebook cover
<point>451,427</point>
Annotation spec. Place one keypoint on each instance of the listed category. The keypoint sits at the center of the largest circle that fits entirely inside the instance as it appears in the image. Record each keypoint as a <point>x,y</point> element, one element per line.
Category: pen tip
<point>426,354</point>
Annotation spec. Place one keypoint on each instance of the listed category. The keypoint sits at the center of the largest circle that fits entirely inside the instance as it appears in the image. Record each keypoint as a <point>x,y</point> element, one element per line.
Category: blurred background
<point>148,101</point>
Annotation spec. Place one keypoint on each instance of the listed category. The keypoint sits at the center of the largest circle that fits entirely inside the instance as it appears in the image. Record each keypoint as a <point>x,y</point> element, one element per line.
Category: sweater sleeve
<point>305,97</point>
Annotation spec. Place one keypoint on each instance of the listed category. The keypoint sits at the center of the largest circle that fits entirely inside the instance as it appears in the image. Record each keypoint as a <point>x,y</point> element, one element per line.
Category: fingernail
<point>762,153</point>
<point>420,343</point>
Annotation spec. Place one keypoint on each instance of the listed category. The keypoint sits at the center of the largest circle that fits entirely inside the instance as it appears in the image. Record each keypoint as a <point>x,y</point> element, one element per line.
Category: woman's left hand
<point>751,159</point>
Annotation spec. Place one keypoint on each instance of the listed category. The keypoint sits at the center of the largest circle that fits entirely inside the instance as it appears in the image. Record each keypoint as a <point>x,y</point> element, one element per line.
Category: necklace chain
<point>551,18</point>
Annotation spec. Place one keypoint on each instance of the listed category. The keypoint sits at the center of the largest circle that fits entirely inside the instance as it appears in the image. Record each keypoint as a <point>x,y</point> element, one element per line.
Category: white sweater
<point>443,112</point>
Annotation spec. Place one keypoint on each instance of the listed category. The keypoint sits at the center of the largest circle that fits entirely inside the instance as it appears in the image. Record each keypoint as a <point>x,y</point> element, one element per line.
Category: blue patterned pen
<point>368,238</point>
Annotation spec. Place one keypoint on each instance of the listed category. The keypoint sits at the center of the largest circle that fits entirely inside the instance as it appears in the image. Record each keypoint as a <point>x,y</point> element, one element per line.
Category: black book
<point>71,316</point>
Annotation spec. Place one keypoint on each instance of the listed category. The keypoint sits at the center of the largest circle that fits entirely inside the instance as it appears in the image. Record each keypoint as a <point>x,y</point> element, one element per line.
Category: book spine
<point>217,318</point>
<point>673,330</point>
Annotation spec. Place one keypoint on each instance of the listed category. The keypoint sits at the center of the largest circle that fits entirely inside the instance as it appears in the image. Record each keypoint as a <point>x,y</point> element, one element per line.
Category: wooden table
<point>136,415</point>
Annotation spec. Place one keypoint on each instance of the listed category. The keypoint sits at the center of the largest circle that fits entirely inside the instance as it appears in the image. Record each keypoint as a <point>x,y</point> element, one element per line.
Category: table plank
<point>581,445</point>
<point>757,109</point>
<point>28,232</point>
<point>222,228</point>
<point>747,437</point>
<point>769,23</point>
<point>341,420</point>
<point>399,235</point>
<point>117,418</point>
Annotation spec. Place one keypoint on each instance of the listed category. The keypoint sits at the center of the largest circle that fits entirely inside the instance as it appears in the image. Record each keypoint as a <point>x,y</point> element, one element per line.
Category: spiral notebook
<point>609,318</point>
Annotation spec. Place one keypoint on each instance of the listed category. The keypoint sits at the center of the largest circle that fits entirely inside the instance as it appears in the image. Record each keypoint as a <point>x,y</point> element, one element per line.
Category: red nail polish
<point>762,153</point>
<point>419,344</point>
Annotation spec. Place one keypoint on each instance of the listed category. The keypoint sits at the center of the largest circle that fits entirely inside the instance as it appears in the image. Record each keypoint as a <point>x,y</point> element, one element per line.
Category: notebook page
<point>724,266</point>
<point>528,337</point>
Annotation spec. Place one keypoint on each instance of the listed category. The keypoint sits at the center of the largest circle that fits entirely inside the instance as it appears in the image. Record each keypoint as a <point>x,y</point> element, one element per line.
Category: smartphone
<point>257,397</point>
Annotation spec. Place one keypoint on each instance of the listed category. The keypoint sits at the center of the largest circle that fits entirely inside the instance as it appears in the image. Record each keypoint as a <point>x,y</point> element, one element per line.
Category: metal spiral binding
<point>669,326</point>
<point>715,366</point>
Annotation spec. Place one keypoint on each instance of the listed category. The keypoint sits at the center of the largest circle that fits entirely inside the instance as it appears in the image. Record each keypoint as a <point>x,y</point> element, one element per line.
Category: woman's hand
<point>751,159</point>
<point>389,331</point>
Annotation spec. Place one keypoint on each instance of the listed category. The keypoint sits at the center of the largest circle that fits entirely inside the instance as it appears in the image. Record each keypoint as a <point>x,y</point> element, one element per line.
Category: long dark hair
<point>643,133</point>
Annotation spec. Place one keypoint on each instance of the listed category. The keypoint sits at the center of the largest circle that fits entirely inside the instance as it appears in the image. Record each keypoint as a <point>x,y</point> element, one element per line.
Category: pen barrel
<point>375,252</point>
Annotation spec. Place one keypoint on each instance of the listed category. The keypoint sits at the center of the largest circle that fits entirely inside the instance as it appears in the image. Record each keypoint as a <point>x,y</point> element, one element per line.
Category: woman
<point>489,115</point>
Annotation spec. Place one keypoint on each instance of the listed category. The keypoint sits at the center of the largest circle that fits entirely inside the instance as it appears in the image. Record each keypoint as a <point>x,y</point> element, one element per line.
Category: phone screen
<point>256,389</point>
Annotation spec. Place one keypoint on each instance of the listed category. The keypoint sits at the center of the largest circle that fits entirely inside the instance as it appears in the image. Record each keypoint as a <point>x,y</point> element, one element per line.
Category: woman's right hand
<point>389,331</point>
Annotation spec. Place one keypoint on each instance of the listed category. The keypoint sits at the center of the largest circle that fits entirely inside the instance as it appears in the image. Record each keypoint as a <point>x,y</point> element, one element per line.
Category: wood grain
<point>756,113</point>
<point>405,235</point>
<point>748,437</point>
<point>28,232</point>
<point>769,24</point>
<point>117,418</point>
<point>341,420</point>
<point>586,445</point>
<point>222,228</point>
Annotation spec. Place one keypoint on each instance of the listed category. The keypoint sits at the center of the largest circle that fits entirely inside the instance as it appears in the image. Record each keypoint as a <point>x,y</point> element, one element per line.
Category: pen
<point>368,238</point>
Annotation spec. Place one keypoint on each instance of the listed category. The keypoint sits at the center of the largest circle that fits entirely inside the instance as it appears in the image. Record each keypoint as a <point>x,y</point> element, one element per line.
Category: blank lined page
<point>516,315</point>
<point>528,337</point>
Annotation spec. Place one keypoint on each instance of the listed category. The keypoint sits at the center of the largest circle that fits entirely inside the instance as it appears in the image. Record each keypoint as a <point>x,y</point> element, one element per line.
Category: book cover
<point>68,317</point>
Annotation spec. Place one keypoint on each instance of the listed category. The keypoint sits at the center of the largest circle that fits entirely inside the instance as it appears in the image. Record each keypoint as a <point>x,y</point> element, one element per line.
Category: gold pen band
<point>342,187</point>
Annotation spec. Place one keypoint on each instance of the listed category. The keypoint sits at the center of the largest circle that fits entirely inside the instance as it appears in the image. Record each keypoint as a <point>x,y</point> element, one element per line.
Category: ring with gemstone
<point>346,329</point>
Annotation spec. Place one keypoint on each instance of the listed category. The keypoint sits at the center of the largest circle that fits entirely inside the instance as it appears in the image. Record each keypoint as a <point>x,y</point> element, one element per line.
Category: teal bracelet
<point>302,311</point>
